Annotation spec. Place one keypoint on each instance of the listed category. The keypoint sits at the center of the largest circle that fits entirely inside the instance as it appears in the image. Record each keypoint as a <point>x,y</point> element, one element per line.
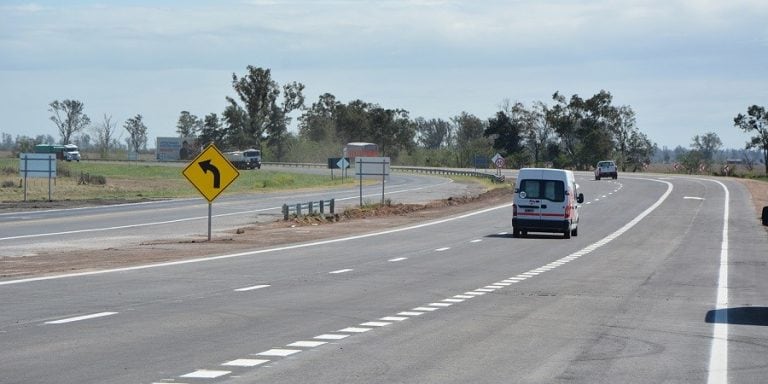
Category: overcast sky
<point>686,67</point>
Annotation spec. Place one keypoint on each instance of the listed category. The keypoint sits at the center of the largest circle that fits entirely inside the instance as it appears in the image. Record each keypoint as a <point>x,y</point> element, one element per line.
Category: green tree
<point>318,122</point>
<point>707,145</point>
<point>69,118</point>
<point>505,132</point>
<point>137,133</point>
<point>469,139</point>
<point>755,120</point>
<point>188,124</point>
<point>433,133</point>
<point>212,131</point>
<point>638,150</point>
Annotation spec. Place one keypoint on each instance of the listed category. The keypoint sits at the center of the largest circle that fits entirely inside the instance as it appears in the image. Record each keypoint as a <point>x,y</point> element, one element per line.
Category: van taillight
<point>568,211</point>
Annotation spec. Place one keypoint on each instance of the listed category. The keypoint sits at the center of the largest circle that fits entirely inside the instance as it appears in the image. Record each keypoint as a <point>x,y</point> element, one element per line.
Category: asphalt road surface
<point>665,283</point>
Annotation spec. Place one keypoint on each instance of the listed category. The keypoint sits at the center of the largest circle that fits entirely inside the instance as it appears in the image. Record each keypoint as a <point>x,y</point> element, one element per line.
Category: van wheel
<point>515,232</point>
<point>575,232</point>
<point>597,178</point>
<point>567,234</point>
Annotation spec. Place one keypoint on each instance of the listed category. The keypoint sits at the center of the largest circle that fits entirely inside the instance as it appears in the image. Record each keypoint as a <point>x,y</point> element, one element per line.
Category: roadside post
<point>499,161</point>
<point>210,173</point>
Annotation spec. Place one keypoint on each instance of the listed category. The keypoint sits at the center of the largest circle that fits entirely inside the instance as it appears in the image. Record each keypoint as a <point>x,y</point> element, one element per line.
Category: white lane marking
<point>205,374</point>
<point>245,363</point>
<point>329,336</point>
<point>79,318</point>
<point>278,352</point>
<point>251,253</point>
<point>718,355</point>
<point>463,296</point>
<point>502,284</point>
<point>307,344</point>
<point>487,290</point>
<point>252,288</point>
<point>355,330</point>
<point>588,203</point>
<point>442,249</point>
<point>376,324</point>
<point>409,313</point>
<point>474,293</point>
<point>453,300</point>
<point>502,233</point>
<point>427,309</point>
<point>476,240</point>
<point>393,318</point>
<point>397,259</point>
<point>341,271</point>
<point>692,198</point>
<point>439,304</point>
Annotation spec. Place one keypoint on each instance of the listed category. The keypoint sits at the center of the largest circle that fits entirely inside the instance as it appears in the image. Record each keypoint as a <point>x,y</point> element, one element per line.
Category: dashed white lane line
<point>486,290</point>
<point>453,300</point>
<point>330,336</point>
<point>397,259</point>
<point>355,330</point>
<point>80,318</point>
<point>341,271</point>
<point>247,363</point>
<point>394,318</point>
<point>277,352</point>
<point>376,324</point>
<point>408,313</point>
<point>463,296</point>
<point>425,309</point>
<point>473,293</point>
<point>439,304</point>
<point>442,249</point>
<point>205,374</point>
<point>307,344</point>
<point>252,288</point>
<point>476,240</point>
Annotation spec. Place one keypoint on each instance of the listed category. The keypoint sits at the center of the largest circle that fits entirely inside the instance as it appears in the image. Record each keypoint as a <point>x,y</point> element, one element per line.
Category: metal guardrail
<point>425,170</point>
<point>310,208</point>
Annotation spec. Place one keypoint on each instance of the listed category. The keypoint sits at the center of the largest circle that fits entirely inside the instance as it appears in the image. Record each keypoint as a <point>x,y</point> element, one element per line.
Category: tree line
<point>570,132</point>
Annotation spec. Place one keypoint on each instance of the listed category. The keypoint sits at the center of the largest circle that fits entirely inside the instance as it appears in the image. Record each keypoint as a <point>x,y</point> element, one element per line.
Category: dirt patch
<point>257,236</point>
<point>759,191</point>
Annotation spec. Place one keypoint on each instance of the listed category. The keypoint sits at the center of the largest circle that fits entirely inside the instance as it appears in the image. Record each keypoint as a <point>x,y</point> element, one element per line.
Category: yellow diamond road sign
<point>211,173</point>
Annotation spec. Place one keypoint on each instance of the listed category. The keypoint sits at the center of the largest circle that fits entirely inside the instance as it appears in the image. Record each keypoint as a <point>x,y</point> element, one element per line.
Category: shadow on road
<point>739,316</point>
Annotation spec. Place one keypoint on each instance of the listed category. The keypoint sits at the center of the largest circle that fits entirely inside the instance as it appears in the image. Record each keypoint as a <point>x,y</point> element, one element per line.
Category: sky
<point>686,67</point>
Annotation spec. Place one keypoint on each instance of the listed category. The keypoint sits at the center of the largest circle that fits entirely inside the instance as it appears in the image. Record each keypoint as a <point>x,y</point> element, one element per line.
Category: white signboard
<point>372,166</point>
<point>37,165</point>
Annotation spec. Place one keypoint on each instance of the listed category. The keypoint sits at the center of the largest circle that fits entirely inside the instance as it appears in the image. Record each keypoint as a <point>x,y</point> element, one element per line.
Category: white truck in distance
<point>247,159</point>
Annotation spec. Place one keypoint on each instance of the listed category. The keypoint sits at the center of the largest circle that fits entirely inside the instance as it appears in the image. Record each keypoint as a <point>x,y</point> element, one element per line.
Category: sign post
<point>500,162</point>
<point>372,166</point>
<point>210,173</point>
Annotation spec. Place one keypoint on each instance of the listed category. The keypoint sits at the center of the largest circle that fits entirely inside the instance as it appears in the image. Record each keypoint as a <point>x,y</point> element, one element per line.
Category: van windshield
<point>552,190</point>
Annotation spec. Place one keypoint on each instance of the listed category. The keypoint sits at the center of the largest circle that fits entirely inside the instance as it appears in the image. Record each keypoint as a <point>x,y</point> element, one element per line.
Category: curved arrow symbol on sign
<point>207,166</point>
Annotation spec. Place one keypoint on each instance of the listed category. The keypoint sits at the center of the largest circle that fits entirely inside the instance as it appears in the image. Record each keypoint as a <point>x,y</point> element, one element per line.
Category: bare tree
<point>106,133</point>
<point>69,118</point>
<point>138,133</point>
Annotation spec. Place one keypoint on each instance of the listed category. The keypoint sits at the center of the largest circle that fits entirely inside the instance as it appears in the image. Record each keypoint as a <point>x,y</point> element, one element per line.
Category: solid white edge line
<point>252,288</point>
<point>260,251</point>
<point>718,356</point>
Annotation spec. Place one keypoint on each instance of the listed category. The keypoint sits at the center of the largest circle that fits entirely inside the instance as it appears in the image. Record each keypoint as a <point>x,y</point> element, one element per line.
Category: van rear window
<point>552,190</point>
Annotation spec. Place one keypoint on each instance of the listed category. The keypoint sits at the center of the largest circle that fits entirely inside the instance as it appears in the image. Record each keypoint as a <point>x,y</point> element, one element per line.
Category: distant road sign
<point>338,162</point>
<point>211,173</point>
<point>499,161</point>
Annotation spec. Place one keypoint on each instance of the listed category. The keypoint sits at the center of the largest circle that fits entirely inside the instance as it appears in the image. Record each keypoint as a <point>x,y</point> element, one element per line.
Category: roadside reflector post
<point>210,209</point>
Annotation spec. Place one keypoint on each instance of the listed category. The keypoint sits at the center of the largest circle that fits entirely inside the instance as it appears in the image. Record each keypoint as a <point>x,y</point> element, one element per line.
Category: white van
<point>546,200</point>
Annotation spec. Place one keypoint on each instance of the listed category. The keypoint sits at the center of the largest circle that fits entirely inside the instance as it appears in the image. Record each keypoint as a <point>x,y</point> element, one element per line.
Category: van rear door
<point>542,199</point>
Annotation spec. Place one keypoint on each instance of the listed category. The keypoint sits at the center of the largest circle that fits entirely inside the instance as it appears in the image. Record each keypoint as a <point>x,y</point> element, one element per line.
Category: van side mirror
<point>580,198</point>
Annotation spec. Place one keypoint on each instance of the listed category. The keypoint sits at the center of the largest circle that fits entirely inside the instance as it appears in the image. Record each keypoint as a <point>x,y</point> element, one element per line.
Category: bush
<point>8,184</point>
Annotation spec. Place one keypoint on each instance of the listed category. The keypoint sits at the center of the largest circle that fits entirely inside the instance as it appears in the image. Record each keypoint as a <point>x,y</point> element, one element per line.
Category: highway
<point>665,282</point>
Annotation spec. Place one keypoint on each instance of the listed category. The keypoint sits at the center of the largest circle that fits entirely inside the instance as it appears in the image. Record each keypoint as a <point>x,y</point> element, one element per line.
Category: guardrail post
<point>311,207</point>
<point>285,211</point>
<point>298,209</point>
<point>332,204</point>
<point>322,207</point>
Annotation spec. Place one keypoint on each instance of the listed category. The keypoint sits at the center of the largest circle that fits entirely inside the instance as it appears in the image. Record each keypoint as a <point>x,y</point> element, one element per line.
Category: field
<point>135,181</point>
